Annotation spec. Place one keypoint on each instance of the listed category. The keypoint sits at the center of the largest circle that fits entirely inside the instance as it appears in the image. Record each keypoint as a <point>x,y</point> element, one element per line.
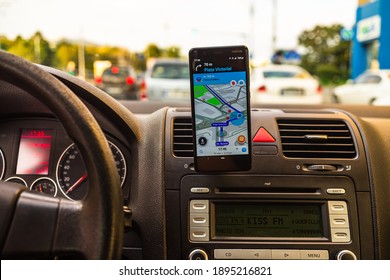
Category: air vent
<point>316,139</point>
<point>182,137</point>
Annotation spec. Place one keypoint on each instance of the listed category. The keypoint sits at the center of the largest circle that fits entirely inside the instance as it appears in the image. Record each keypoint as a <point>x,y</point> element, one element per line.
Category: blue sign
<point>286,56</point>
<point>346,34</point>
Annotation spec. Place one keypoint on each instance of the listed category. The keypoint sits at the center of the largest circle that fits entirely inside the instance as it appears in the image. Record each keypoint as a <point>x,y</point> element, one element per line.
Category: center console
<point>307,196</point>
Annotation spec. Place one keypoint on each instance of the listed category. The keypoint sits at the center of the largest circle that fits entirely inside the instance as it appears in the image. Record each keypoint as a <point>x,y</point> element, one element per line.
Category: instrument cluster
<point>38,154</point>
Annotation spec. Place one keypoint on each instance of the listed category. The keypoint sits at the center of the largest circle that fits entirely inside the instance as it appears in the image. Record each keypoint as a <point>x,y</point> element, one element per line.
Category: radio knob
<point>198,255</point>
<point>345,255</point>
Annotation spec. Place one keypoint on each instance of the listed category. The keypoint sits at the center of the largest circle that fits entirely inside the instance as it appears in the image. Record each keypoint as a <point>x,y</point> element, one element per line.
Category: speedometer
<point>72,177</point>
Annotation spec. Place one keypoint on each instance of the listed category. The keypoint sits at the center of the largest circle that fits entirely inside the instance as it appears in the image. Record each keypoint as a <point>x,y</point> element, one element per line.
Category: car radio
<point>272,217</point>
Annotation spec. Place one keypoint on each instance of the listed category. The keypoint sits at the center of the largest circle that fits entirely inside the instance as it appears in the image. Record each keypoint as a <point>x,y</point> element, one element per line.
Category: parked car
<point>284,84</point>
<point>119,82</point>
<point>366,89</point>
<point>167,80</point>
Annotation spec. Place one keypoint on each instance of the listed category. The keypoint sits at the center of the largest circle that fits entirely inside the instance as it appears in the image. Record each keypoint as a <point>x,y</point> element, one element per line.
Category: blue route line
<point>232,120</point>
<point>220,98</point>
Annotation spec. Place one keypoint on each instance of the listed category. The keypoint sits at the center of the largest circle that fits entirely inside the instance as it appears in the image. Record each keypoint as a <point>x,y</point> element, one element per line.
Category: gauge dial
<point>17,180</point>
<point>44,185</point>
<point>2,164</point>
<point>120,162</point>
<point>72,177</point>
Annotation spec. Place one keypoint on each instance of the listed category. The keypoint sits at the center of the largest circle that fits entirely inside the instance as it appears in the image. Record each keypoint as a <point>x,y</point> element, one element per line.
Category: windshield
<point>333,41</point>
<point>368,79</point>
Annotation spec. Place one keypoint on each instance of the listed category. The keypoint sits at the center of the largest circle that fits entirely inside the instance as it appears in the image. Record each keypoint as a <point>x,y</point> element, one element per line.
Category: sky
<point>185,23</point>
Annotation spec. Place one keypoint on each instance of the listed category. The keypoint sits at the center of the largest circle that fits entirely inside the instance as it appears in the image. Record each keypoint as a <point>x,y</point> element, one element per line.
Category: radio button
<point>199,233</point>
<point>345,255</point>
<point>340,235</point>
<point>198,255</point>
<point>264,254</point>
<point>286,255</point>
<point>228,254</point>
<point>199,206</point>
<point>314,255</point>
<point>200,190</point>
<point>337,208</point>
<point>335,191</point>
<point>199,220</point>
<point>339,221</point>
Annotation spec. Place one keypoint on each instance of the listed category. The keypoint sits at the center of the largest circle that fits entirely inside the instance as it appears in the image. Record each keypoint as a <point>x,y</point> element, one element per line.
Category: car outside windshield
<point>170,71</point>
<point>85,38</point>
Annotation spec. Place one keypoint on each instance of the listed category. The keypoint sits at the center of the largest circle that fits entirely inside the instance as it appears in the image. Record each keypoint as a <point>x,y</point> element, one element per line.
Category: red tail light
<point>114,70</point>
<point>98,80</point>
<point>144,95</point>
<point>130,80</point>
<point>143,85</point>
<point>319,89</point>
<point>262,89</point>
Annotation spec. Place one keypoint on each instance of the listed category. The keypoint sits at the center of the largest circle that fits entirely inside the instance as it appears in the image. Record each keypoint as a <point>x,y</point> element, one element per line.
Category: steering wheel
<point>36,226</point>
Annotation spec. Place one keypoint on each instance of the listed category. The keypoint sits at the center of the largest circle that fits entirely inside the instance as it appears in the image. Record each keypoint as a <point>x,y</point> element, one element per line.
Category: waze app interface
<point>220,109</point>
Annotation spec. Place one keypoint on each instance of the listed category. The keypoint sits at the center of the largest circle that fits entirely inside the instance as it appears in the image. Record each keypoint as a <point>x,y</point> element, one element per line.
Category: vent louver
<point>182,137</point>
<point>316,139</point>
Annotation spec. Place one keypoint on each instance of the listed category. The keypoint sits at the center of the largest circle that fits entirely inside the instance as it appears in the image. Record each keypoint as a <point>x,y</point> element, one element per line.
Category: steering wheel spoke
<point>38,226</point>
<point>32,226</point>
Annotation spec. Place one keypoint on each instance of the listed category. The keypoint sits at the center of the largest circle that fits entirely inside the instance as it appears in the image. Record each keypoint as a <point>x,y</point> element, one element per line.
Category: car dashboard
<point>293,169</point>
<point>318,187</point>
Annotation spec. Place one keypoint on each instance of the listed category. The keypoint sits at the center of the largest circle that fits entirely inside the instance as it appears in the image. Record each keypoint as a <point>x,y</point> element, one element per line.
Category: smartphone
<point>220,108</point>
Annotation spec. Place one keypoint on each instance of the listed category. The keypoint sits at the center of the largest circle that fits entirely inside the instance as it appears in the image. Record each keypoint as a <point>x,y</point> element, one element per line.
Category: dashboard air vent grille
<point>182,137</point>
<point>316,139</point>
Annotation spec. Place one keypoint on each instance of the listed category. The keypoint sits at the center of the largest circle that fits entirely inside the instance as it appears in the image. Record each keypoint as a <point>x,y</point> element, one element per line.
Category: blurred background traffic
<point>301,52</point>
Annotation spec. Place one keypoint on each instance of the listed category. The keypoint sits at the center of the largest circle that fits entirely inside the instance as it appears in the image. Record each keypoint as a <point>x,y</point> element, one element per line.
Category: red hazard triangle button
<point>262,135</point>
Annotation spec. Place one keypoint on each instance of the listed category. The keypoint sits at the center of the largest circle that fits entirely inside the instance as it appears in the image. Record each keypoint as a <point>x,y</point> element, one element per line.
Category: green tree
<point>43,54</point>
<point>65,52</point>
<point>326,54</point>
<point>5,43</point>
<point>172,52</point>
<point>152,51</point>
<point>64,55</point>
<point>22,48</point>
<point>117,55</point>
<point>35,49</point>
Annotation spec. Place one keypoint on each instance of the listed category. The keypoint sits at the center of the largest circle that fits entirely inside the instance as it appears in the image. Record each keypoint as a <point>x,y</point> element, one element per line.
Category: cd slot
<point>262,190</point>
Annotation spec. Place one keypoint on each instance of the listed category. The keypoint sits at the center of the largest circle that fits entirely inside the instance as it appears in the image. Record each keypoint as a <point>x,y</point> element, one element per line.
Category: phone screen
<point>221,104</point>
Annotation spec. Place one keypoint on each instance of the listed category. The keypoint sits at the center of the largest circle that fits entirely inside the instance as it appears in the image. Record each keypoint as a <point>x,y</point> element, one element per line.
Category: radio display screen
<point>258,220</point>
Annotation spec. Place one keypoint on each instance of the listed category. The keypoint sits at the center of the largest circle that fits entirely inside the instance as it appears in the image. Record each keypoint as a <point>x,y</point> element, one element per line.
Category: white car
<point>382,101</point>
<point>366,89</point>
<point>284,84</point>
<point>167,80</point>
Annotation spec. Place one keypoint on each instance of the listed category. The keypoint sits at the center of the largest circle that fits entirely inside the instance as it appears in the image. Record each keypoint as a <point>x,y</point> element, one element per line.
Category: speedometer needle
<point>78,182</point>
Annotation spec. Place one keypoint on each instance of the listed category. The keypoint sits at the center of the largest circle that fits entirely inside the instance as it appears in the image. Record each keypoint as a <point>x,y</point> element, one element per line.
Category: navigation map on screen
<point>220,113</point>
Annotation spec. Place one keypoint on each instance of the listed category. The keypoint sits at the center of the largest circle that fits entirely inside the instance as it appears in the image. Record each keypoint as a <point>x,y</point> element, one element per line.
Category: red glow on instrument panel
<point>34,152</point>
<point>28,133</point>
